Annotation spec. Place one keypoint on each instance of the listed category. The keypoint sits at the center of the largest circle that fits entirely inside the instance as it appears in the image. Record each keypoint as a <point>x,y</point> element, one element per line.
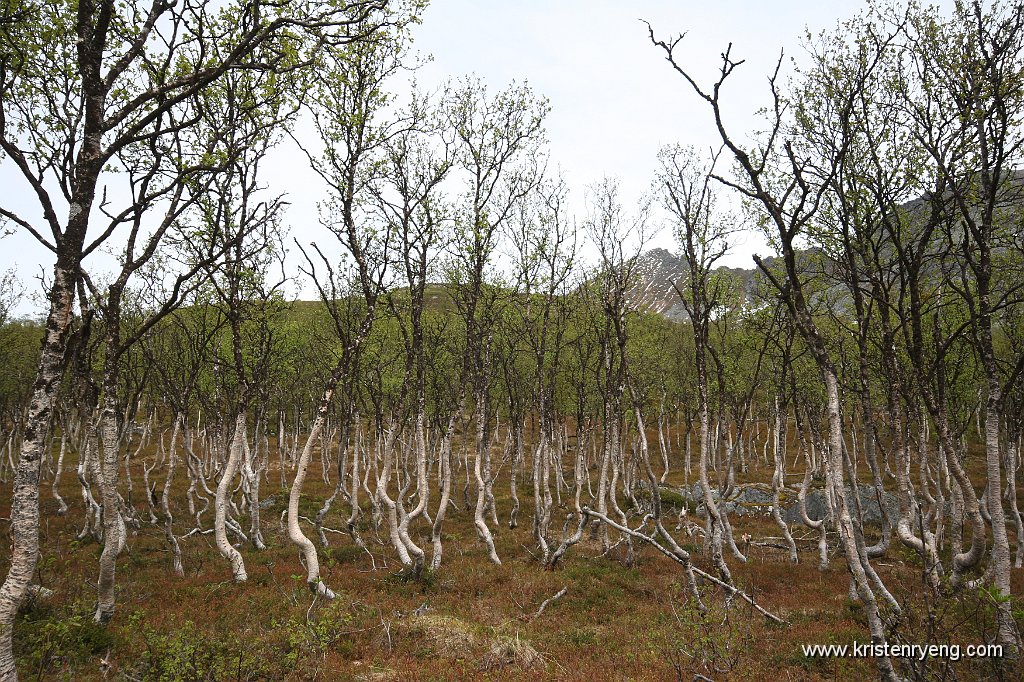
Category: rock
<point>817,507</point>
<point>38,592</point>
<point>743,500</point>
<point>756,499</point>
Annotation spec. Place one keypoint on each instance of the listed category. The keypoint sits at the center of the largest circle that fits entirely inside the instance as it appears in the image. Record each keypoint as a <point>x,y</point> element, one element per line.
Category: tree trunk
<point>481,470</point>
<point>295,533</point>
<point>25,496</point>
<point>221,503</point>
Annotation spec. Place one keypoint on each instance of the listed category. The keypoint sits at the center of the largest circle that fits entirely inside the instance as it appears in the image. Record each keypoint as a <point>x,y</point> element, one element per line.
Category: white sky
<point>614,99</point>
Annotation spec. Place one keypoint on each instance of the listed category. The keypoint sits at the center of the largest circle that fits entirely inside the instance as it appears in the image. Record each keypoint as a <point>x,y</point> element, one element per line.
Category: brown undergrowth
<point>470,620</point>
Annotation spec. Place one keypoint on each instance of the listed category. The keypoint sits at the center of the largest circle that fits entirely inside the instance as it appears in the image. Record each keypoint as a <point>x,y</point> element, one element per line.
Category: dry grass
<point>512,652</point>
<point>443,636</point>
<point>380,676</point>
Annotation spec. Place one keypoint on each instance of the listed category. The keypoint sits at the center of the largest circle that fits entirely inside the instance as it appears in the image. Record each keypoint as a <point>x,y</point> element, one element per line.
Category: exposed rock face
<point>658,269</point>
<point>817,507</point>
<point>756,498</point>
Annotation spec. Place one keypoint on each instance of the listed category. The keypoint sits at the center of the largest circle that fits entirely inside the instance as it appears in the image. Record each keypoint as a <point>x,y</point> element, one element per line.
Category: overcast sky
<point>614,98</point>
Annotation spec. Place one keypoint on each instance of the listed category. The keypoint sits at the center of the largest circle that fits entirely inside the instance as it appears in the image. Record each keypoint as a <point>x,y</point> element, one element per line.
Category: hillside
<point>657,271</point>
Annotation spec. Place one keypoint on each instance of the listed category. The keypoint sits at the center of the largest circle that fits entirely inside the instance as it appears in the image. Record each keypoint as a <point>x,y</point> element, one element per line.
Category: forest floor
<point>471,619</point>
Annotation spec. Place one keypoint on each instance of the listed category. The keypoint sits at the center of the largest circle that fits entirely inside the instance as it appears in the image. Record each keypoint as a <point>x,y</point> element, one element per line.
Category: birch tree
<point>348,95</point>
<point>974,62</point>
<point>81,84</point>
<point>685,181</point>
<point>788,193</point>
<point>418,161</point>
<point>498,142</point>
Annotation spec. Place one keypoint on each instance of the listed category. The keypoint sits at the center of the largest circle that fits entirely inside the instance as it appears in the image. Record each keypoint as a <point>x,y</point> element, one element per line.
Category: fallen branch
<point>323,528</point>
<point>732,590</point>
<point>197,531</point>
<point>553,598</point>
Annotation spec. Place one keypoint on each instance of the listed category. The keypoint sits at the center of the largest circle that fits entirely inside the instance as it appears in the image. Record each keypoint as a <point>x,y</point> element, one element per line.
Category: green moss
<point>48,638</point>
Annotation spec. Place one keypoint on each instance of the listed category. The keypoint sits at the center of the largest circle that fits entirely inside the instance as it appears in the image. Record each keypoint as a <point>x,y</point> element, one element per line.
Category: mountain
<point>658,269</point>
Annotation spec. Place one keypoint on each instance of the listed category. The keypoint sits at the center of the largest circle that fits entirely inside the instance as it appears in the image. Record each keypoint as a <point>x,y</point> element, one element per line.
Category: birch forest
<point>507,433</point>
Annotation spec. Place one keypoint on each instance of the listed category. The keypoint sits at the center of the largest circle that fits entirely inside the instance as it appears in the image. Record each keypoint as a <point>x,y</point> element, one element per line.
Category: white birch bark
<point>855,557</point>
<point>384,498</point>
<point>252,483</point>
<point>778,482</point>
<point>165,501</point>
<point>481,465</point>
<point>444,468</point>
<point>220,508</point>
<point>54,487</point>
<point>25,495</point>
<point>422,496</point>
<point>295,534</point>
<point>113,523</point>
